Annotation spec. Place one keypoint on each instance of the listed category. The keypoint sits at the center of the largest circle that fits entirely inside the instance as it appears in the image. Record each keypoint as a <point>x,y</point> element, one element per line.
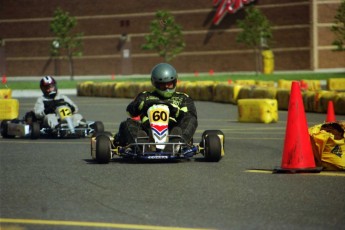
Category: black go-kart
<point>154,147</point>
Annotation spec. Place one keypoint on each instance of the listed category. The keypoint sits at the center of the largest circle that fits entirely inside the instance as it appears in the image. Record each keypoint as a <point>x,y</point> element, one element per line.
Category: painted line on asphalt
<point>92,224</point>
<point>323,173</point>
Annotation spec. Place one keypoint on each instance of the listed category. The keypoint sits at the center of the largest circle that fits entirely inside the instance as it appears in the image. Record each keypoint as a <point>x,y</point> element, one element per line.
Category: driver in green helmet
<point>183,115</point>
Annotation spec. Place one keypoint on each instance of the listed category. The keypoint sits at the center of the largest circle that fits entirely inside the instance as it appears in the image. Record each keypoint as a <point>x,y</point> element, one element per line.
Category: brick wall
<point>24,26</point>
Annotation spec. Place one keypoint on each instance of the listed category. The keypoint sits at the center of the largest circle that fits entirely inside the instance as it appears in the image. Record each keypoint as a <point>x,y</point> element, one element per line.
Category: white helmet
<point>48,86</point>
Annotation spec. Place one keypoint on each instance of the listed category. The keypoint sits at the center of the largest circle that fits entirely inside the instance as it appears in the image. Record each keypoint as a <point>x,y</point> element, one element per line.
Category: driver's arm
<point>71,104</point>
<point>188,120</point>
<point>39,108</point>
<point>189,108</point>
<point>134,108</point>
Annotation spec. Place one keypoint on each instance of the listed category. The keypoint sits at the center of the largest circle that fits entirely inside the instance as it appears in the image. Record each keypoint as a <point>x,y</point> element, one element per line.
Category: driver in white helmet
<point>47,103</point>
<point>183,114</point>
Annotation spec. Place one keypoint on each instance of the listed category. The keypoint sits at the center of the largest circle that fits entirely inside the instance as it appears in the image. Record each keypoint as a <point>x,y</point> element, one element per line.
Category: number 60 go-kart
<point>152,147</point>
<point>34,128</point>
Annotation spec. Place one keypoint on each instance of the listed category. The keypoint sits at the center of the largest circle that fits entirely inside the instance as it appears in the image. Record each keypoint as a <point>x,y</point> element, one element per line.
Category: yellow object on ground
<point>337,84</point>
<point>5,93</point>
<point>245,82</point>
<point>9,109</point>
<point>328,144</point>
<point>268,59</point>
<point>257,110</point>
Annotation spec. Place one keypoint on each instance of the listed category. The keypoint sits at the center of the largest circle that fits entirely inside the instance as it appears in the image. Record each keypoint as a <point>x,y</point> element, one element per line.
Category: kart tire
<point>98,127</point>
<point>208,132</point>
<point>35,130</point>
<point>106,133</point>
<point>103,149</point>
<point>212,148</point>
<point>4,129</point>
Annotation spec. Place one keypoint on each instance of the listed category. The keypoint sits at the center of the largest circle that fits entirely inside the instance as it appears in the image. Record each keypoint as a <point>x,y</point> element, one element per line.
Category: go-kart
<point>153,147</point>
<point>34,128</point>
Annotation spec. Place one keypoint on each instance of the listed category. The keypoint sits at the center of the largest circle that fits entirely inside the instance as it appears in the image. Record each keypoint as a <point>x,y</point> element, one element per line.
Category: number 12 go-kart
<point>34,128</point>
<point>153,147</point>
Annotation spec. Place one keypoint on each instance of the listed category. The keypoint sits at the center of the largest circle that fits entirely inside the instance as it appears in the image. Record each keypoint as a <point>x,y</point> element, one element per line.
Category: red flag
<point>4,79</point>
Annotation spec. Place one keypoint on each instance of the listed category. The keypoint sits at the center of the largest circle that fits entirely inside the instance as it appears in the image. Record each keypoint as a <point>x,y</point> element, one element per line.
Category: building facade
<point>114,30</point>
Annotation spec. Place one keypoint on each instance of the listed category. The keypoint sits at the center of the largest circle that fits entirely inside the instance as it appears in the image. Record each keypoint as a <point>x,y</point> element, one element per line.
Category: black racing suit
<point>185,118</point>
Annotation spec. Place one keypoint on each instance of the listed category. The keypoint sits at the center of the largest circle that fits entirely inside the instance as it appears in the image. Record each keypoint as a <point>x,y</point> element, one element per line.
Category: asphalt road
<point>53,184</point>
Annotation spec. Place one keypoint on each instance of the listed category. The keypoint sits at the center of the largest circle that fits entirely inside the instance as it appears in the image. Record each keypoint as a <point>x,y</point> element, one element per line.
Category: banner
<point>227,6</point>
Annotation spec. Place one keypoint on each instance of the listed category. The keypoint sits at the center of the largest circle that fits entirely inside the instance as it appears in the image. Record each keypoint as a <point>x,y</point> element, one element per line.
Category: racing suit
<point>183,118</point>
<point>45,109</point>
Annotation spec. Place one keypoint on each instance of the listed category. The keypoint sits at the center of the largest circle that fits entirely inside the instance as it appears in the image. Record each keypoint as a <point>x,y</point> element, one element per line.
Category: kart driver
<point>183,114</point>
<point>51,99</point>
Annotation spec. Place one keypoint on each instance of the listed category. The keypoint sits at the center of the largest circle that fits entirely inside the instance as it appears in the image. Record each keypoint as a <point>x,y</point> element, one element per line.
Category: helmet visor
<point>49,88</point>
<point>165,85</point>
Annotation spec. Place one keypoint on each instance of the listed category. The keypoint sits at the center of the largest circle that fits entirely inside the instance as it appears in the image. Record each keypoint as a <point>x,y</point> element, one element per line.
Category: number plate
<point>64,112</point>
<point>159,120</point>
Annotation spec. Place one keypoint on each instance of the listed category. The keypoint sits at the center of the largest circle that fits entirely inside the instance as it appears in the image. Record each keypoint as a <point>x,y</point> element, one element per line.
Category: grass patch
<point>67,84</point>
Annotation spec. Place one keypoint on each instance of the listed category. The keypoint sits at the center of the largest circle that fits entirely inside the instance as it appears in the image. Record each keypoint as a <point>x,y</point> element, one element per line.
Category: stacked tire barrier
<point>315,99</point>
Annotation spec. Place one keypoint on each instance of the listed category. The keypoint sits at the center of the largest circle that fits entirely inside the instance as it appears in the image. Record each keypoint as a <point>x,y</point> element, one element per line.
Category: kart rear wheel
<point>4,129</point>
<point>212,148</point>
<point>35,130</point>
<point>103,149</point>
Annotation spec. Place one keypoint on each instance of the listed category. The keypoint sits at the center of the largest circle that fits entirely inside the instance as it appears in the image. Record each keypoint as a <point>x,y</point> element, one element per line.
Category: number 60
<point>159,115</point>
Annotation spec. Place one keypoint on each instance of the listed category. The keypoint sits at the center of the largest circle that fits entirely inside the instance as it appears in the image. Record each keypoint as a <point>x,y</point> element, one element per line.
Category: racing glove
<point>174,110</point>
<point>71,106</point>
<point>145,105</point>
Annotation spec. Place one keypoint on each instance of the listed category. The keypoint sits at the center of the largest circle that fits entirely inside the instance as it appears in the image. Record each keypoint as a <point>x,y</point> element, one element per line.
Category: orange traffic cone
<point>298,154</point>
<point>330,112</point>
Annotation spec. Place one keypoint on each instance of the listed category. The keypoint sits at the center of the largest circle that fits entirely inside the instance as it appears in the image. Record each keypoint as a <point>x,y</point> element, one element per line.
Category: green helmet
<point>164,78</point>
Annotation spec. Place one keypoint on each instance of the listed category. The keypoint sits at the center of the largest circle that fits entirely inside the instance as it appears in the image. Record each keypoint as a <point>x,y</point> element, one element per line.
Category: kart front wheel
<point>98,127</point>
<point>212,148</point>
<point>208,132</point>
<point>103,149</point>
<point>35,130</point>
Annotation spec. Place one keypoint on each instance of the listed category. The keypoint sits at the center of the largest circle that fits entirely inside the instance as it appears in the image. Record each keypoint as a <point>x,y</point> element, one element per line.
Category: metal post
<point>314,53</point>
<point>126,60</point>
